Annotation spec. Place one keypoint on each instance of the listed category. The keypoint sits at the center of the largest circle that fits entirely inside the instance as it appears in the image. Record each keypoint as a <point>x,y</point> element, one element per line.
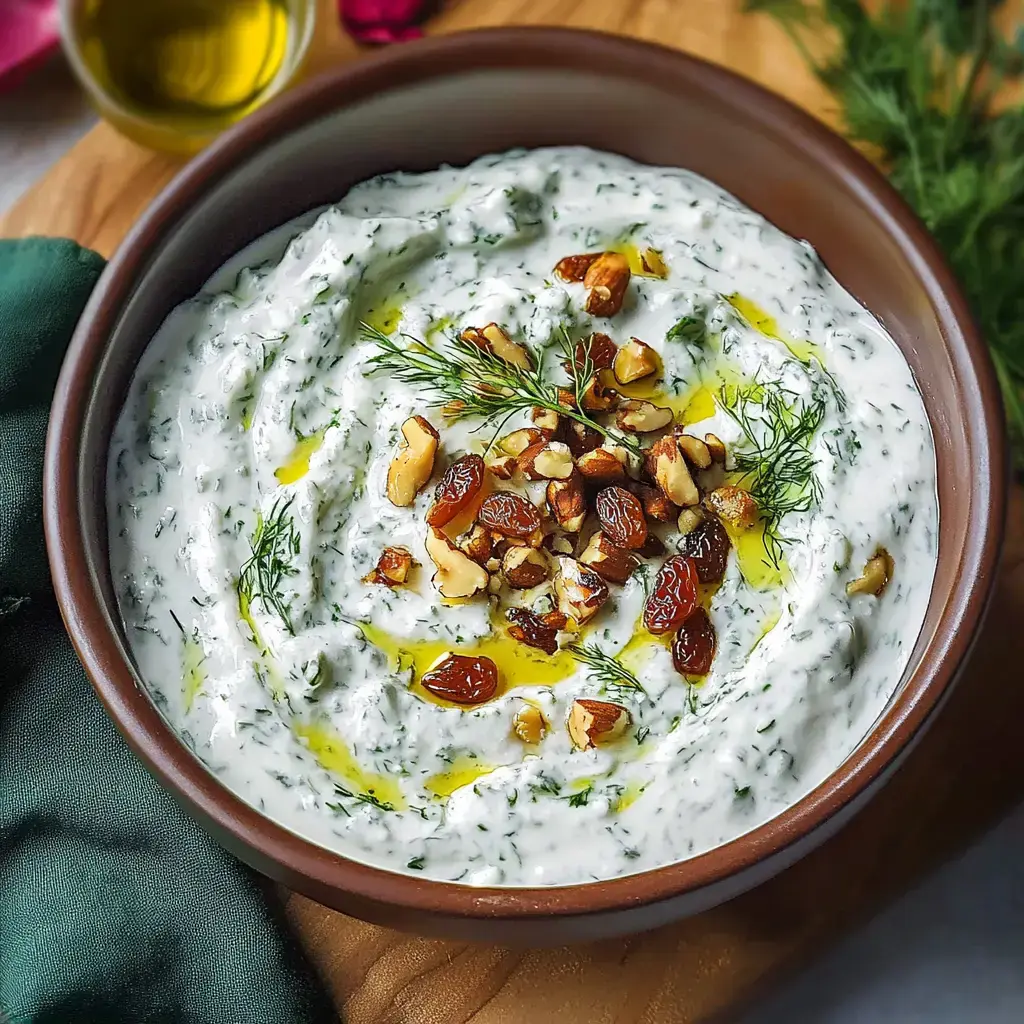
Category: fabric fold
<point>114,905</point>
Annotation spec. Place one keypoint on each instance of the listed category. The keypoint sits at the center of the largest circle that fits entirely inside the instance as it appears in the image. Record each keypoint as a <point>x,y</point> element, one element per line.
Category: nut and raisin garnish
<point>462,679</point>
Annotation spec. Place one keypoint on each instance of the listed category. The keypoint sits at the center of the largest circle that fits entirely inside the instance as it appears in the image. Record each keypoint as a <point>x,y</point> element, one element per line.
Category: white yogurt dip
<point>248,501</point>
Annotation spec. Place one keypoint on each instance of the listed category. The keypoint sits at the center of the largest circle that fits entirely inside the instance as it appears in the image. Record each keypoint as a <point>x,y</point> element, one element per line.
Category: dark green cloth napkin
<point>114,907</point>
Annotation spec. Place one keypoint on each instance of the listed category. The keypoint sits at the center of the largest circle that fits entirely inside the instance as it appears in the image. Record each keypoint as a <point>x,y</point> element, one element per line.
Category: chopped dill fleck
<point>545,785</point>
<point>580,798</point>
<point>363,798</point>
<point>692,329</point>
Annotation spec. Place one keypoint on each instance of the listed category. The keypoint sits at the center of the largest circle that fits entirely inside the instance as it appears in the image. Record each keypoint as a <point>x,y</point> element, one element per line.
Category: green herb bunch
<point>916,82</point>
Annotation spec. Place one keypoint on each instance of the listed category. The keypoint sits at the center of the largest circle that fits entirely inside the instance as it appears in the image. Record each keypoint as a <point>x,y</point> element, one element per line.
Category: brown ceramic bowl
<point>450,100</point>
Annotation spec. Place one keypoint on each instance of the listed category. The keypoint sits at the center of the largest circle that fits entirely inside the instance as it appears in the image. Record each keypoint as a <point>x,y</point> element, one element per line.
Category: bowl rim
<point>320,871</point>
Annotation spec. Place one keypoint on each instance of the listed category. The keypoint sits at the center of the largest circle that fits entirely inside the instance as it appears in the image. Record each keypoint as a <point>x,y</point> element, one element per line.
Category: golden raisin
<point>509,514</point>
<point>673,596</point>
<point>460,484</point>
<point>621,517</point>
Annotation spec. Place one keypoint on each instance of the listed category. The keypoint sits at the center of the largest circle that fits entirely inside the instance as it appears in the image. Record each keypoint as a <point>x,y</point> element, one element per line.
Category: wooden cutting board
<point>967,772</point>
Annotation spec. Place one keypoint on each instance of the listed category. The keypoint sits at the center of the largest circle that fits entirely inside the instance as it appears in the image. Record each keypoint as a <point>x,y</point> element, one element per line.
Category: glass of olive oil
<point>171,74</point>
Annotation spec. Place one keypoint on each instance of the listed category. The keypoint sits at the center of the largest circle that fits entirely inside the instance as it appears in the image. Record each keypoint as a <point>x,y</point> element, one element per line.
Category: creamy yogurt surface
<point>248,500</point>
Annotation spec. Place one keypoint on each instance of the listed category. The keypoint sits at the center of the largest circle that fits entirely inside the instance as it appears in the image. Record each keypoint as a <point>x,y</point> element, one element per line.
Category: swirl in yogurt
<point>248,504</point>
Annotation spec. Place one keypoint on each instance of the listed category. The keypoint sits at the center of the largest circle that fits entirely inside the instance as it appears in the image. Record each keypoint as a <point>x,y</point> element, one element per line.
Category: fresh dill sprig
<point>363,798</point>
<point>609,672</point>
<point>917,82</point>
<point>775,458</point>
<point>581,797</point>
<point>468,381</point>
<point>274,543</point>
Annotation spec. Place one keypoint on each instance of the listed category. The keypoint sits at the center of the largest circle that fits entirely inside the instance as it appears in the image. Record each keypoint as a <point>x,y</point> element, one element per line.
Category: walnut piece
<point>598,396</point>
<point>734,505</point>
<point>546,460</point>
<point>413,464</point>
<point>655,504</point>
<point>579,590</point>
<point>610,561</point>
<point>457,574</point>
<point>642,417</point>
<point>529,725</point>
<point>695,450</point>
<point>875,578</point>
<point>392,569</point>
<point>716,447</point>
<point>604,465</point>
<point>595,721</point>
<point>519,440</point>
<point>689,520</point>
<point>545,420</point>
<point>502,466</point>
<point>524,568</point>
<point>668,469</point>
<point>574,268</point>
<point>634,361</point>
<point>652,262</point>
<point>493,339</point>
<point>568,502</point>
<point>606,281</point>
<point>477,544</point>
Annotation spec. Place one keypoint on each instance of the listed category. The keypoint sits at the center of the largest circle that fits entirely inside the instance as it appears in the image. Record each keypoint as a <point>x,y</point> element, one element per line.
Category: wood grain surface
<point>965,774</point>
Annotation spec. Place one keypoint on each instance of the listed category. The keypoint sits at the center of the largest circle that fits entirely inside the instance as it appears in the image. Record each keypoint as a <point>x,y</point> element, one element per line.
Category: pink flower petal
<point>383,21</point>
<point>29,32</point>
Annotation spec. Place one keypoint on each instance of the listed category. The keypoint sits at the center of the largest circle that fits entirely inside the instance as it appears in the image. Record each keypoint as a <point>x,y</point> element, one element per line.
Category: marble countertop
<point>950,951</point>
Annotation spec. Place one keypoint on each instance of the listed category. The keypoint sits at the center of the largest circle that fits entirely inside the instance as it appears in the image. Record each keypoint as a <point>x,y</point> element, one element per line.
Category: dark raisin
<point>693,649</point>
<point>708,545</point>
<point>460,484</point>
<point>621,517</point>
<point>673,596</point>
<point>462,679</point>
<point>509,514</point>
